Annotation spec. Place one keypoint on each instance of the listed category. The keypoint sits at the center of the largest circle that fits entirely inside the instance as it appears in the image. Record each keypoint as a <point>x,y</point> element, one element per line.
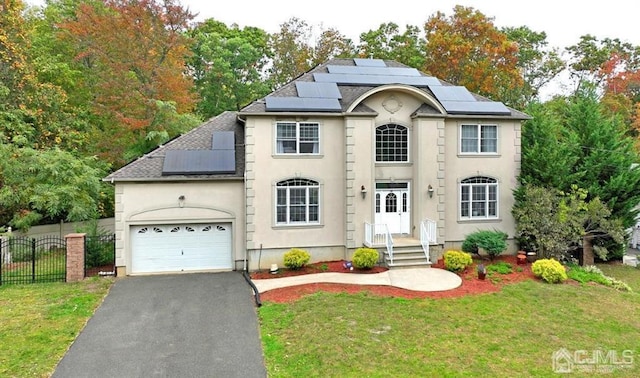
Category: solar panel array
<point>323,94</point>
<point>384,71</point>
<point>458,100</point>
<point>369,62</point>
<point>354,79</point>
<point>311,89</point>
<point>220,159</point>
<point>223,140</point>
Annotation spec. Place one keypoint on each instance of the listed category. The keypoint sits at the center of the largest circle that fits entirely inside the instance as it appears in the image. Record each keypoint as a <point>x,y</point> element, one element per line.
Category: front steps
<point>407,253</point>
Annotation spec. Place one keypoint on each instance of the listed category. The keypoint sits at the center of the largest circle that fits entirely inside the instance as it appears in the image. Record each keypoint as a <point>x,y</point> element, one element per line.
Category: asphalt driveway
<point>188,325</point>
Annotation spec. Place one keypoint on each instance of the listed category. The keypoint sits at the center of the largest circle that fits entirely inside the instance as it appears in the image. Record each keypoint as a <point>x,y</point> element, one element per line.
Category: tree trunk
<point>587,250</point>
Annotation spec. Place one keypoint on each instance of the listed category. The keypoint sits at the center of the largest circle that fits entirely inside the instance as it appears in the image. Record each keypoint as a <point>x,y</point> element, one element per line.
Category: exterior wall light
<point>430,191</point>
<point>363,191</point>
<point>181,201</point>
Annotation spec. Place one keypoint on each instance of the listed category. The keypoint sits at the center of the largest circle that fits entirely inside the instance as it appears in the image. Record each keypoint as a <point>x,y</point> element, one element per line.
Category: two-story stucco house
<point>354,152</point>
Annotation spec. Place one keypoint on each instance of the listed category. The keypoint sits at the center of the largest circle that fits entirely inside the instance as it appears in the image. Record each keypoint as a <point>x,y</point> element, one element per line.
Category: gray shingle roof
<point>149,166</point>
<point>350,92</point>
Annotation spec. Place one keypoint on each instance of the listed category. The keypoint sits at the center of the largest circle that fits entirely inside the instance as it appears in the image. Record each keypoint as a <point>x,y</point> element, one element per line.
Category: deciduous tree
<point>141,64</point>
<point>467,49</point>
<point>228,65</point>
<point>388,43</point>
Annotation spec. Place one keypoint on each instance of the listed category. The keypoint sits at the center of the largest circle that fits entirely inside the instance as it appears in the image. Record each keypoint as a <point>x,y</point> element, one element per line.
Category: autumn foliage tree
<point>294,51</point>
<point>467,49</point>
<point>136,50</point>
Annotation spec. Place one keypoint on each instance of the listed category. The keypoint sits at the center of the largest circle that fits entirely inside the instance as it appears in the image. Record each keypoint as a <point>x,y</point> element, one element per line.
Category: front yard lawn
<point>38,323</point>
<point>510,333</point>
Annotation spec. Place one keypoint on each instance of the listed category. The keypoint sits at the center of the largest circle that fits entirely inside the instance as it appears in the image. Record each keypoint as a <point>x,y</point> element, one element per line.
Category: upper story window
<point>479,139</point>
<point>297,138</point>
<point>478,198</point>
<point>392,143</point>
<point>297,202</point>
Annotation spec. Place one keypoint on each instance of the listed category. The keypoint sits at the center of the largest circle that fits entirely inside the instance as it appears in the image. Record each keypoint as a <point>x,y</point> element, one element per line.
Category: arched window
<point>392,143</point>
<point>478,198</point>
<point>391,203</point>
<point>297,201</point>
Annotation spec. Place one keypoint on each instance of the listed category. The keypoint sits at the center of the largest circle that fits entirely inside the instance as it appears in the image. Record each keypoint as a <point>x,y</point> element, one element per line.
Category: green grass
<point>506,334</point>
<point>38,323</point>
<point>501,267</point>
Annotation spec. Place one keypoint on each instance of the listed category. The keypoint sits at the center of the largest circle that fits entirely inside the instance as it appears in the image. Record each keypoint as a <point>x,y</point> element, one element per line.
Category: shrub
<point>493,242</point>
<point>550,270</point>
<point>591,273</point>
<point>296,258</point>
<point>365,258</point>
<point>500,267</point>
<point>456,261</point>
<point>100,245</point>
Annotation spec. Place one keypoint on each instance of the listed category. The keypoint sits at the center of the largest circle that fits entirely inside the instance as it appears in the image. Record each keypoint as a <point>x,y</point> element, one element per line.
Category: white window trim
<point>375,145</point>
<point>479,139</point>
<point>486,202</point>
<point>288,205</point>
<point>297,153</point>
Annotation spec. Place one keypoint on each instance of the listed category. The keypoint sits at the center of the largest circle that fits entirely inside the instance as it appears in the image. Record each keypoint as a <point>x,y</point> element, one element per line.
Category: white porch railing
<point>378,235</point>
<point>428,235</point>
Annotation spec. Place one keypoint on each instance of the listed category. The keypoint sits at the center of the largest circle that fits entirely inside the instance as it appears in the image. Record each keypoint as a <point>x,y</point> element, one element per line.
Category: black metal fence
<point>100,255</point>
<point>29,260</point>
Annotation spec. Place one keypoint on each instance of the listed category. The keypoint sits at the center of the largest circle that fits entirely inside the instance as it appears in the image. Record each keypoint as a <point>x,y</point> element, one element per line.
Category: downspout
<point>245,267</point>
<point>256,293</point>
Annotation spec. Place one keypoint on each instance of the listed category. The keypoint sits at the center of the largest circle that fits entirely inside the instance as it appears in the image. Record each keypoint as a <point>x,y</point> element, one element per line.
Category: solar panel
<point>369,62</point>
<point>223,140</point>
<point>475,107</point>
<point>419,81</point>
<point>312,89</point>
<point>451,93</point>
<point>387,71</point>
<point>302,104</point>
<point>198,162</point>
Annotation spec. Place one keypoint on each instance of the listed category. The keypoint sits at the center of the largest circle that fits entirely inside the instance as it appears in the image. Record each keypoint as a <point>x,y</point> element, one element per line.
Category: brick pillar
<point>587,250</point>
<point>75,257</point>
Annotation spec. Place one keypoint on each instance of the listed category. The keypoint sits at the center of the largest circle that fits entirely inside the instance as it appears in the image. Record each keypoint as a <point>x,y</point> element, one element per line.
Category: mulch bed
<point>471,285</point>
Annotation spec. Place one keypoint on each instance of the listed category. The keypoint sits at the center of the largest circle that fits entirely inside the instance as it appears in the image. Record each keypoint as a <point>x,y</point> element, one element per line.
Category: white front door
<point>393,207</point>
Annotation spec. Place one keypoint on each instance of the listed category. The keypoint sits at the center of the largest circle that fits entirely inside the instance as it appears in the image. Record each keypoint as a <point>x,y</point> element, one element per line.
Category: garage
<point>181,248</point>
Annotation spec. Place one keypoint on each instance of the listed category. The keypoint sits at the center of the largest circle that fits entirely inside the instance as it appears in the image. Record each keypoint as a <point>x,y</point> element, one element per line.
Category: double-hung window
<point>478,198</point>
<point>297,202</point>
<point>297,138</point>
<point>479,139</point>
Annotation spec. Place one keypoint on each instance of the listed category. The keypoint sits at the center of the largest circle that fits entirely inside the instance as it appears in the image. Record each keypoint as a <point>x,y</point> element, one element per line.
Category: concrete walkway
<point>416,279</point>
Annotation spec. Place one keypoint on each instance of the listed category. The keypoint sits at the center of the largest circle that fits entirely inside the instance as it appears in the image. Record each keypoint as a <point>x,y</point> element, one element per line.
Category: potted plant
<point>482,271</point>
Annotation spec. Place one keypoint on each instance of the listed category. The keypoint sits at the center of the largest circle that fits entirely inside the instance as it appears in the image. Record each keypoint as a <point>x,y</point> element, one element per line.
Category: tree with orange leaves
<point>467,49</point>
<point>135,52</point>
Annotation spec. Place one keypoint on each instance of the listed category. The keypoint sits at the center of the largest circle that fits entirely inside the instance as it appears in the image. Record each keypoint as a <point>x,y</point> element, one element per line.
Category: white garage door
<point>180,248</point>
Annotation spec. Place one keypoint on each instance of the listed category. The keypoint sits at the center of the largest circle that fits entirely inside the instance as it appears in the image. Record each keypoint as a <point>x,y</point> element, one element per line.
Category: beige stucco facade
<point>351,183</point>
<point>346,163</point>
<point>159,203</point>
